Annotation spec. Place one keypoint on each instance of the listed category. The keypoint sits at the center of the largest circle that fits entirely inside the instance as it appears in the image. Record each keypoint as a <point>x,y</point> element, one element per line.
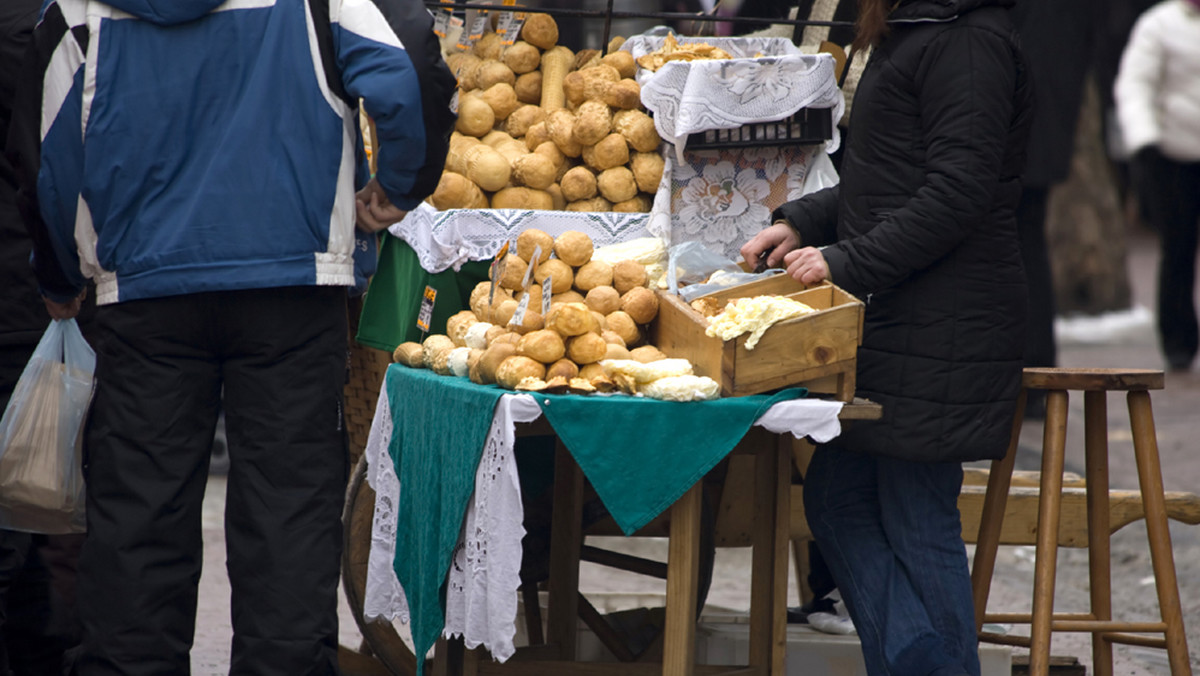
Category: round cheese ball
<point>641,304</point>
<point>571,319</point>
<point>622,324</point>
<point>574,248</point>
<point>516,368</point>
<point>604,299</point>
<point>586,348</point>
<point>564,368</point>
<point>560,272</point>
<point>532,238</point>
<point>543,345</point>
<point>593,274</point>
<point>627,275</point>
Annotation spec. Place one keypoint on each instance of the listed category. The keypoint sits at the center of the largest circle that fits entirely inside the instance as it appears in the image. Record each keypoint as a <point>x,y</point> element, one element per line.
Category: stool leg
<point>1145,449</point>
<point>991,518</point>
<point>1054,442</point>
<point>1095,409</point>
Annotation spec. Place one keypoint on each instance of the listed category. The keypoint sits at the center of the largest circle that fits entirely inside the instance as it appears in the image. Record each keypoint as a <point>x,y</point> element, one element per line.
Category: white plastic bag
<point>41,473</point>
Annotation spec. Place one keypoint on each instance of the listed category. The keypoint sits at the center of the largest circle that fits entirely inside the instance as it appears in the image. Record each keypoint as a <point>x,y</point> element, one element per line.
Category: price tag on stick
<point>508,27</point>
<point>425,316</point>
<point>442,20</point>
<point>497,271</point>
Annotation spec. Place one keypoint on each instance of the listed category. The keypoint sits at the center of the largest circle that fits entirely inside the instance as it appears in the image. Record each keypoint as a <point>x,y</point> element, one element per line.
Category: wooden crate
<point>817,351</point>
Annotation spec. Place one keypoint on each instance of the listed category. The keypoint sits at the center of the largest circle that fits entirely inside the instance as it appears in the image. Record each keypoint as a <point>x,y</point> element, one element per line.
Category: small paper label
<point>426,313</point>
<point>518,317</point>
<point>497,271</point>
<point>532,267</point>
<point>547,290</point>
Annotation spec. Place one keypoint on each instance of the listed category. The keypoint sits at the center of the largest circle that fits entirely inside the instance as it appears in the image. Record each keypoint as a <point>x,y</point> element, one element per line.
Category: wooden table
<point>769,575</point>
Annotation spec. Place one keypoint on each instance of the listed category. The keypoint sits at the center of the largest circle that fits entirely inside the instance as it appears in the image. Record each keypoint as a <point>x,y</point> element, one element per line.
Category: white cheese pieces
<point>754,315</point>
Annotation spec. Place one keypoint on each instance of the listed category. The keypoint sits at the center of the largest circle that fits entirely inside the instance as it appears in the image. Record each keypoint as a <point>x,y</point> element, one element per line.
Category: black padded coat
<point>922,229</point>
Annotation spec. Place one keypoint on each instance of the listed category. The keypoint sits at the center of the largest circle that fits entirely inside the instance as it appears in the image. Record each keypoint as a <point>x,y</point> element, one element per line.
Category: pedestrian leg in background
<point>1040,347</point>
<point>284,376</point>
<point>150,439</point>
<point>1172,201</point>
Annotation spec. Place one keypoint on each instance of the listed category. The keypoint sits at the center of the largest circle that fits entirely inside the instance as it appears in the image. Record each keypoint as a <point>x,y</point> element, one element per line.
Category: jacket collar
<point>919,11</point>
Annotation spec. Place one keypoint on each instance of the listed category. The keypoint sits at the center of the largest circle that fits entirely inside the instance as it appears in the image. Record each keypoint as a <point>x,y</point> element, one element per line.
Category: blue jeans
<point>890,532</point>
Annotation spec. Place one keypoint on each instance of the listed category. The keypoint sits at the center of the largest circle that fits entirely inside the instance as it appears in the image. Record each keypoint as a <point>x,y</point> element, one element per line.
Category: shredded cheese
<point>754,316</point>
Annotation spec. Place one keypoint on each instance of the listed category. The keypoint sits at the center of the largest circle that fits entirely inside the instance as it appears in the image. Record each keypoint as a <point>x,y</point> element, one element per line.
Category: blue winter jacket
<point>199,145</point>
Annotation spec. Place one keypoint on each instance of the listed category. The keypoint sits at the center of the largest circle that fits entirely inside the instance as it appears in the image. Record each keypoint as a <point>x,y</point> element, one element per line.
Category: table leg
<point>779,549</point>
<point>1095,444</point>
<point>683,566</point>
<point>566,536</point>
<point>1145,448</point>
<point>763,563</point>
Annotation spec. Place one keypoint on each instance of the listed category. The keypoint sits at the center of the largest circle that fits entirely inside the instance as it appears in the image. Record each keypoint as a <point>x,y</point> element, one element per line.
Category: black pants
<point>1170,195</point>
<point>280,355</point>
<point>1040,348</point>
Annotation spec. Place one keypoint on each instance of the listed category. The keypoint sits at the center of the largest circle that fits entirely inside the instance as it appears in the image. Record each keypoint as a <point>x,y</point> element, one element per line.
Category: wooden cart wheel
<point>393,649</point>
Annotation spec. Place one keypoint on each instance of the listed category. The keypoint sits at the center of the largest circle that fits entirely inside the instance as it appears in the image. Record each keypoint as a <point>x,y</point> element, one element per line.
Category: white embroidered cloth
<point>702,95</point>
<point>481,588</point>
<point>447,239</point>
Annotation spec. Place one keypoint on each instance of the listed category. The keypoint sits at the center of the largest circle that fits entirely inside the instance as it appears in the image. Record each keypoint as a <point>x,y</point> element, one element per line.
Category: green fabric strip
<point>440,425</point>
<point>642,454</point>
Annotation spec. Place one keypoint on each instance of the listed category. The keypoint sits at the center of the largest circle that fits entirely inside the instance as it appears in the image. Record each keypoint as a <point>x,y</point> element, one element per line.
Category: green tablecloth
<point>640,455</point>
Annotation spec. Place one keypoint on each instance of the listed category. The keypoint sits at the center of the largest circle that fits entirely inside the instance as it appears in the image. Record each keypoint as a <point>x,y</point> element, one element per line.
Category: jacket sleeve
<point>45,148</point>
<point>389,57</point>
<point>966,84</point>
<point>1138,83</point>
<point>813,216</point>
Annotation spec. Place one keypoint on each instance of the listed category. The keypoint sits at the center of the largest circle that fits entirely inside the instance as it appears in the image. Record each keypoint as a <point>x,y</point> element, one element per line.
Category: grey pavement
<point>1132,345</point>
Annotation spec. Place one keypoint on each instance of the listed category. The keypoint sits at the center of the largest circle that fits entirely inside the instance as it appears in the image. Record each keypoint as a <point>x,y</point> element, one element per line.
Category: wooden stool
<point>1095,384</point>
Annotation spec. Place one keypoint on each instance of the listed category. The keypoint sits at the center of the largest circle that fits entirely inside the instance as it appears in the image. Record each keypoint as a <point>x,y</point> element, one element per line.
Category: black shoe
<point>799,614</point>
<point>1179,362</point>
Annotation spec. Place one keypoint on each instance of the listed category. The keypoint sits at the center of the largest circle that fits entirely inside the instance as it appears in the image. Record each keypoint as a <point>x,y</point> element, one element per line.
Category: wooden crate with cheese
<point>816,348</point>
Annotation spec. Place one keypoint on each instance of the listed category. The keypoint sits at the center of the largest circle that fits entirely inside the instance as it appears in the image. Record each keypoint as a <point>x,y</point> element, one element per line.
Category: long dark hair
<point>871,26</point>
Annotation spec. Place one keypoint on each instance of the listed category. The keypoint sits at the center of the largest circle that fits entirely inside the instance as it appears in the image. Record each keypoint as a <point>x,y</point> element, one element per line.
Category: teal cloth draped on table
<point>639,454</point>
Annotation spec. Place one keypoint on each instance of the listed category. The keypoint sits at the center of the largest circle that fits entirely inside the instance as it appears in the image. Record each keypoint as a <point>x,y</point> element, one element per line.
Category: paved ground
<point>1178,428</point>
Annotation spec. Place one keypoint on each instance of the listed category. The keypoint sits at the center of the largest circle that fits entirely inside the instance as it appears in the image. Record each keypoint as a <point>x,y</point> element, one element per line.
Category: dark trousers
<point>280,355</point>
<point>1040,349</point>
<point>1170,195</point>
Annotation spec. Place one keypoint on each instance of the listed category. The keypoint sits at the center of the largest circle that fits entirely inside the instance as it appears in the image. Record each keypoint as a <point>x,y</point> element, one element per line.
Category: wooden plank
<point>762,562</point>
<point>604,669</point>
<point>683,573</point>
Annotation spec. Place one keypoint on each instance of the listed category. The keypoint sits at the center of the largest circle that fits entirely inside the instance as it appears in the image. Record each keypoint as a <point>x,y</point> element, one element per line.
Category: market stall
<point>730,162</point>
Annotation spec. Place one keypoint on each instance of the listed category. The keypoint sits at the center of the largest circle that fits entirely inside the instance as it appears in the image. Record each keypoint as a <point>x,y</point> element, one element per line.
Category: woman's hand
<point>769,246</point>
<point>807,266</point>
<point>375,211</point>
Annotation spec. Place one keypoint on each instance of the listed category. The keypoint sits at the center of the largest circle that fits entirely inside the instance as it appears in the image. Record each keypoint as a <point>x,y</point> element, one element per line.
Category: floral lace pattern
<point>722,198</point>
<point>447,239</point>
<point>767,80</point>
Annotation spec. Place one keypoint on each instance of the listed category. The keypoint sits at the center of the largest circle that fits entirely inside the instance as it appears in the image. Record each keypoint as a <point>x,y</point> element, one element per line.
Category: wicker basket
<point>366,371</point>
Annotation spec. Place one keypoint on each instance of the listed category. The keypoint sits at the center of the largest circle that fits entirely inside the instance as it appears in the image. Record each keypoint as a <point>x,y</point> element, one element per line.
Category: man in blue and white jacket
<point>199,160</point>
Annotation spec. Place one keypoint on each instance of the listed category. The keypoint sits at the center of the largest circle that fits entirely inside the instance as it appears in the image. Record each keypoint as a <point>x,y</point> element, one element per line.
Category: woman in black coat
<point>922,229</point>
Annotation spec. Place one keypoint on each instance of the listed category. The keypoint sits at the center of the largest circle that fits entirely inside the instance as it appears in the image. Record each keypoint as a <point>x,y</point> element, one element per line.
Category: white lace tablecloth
<point>481,588</point>
<point>447,239</point>
<point>694,96</point>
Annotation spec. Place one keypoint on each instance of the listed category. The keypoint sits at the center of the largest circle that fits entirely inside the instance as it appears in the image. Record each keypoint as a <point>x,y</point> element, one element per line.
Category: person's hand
<point>807,266</point>
<point>375,211</point>
<point>769,246</point>
<point>66,310</point>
